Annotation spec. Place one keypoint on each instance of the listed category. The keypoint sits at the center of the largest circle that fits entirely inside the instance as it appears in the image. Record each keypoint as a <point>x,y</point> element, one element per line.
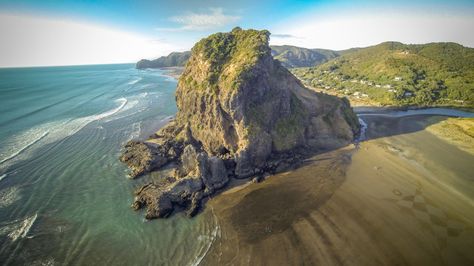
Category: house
<point>387,86</point>
<point>407,94</point>
<point>378,86</point>
<point>397,78</point>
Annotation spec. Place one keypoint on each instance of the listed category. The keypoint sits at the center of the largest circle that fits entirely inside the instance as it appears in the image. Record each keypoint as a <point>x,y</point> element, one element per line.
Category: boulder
<point>217,177</point>
<point>142,158</point>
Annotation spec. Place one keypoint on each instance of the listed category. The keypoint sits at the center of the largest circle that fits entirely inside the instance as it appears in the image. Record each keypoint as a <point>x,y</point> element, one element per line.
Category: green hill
<point>172,60</point>
<point>393,73</point>
<point>292,56</point>
<point>289,56</point>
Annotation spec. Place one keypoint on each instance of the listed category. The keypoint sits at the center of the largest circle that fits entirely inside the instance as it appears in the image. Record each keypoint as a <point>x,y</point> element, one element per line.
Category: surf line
<point>24,147</point>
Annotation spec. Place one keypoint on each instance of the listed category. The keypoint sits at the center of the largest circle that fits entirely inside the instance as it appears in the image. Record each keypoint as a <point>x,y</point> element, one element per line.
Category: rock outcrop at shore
<point>240,114</point>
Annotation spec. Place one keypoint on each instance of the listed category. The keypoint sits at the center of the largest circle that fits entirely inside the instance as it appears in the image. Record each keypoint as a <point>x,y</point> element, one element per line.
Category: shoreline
<point>235,185</point>
<point>361,217</point>
<point>443,110</point>
<point>368,103</point>
<point>173,72</point>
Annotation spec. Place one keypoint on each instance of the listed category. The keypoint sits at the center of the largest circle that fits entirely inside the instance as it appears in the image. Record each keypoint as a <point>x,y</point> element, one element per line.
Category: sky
<point>77,32</point>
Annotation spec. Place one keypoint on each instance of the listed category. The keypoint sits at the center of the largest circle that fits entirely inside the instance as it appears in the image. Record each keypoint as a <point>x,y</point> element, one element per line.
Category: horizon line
<point>123,63</point>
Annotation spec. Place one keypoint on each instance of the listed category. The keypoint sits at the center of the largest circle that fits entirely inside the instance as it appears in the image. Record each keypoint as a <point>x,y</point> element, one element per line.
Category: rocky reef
<point>241,114</point>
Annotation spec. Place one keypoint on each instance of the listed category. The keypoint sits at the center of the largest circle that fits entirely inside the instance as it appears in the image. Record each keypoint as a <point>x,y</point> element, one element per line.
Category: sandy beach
<point>403,197</point>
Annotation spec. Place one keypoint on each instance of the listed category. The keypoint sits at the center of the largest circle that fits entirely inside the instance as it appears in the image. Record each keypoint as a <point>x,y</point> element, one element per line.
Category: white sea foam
<point>210,239</point>
<point>38,136</point>
<point>134,81</point>
<point>45,262</point>
<point>125,111</point>
<point>3,176</point>
<point>22,228</point>
<point>136,128</point>
<point>8,196</point>
<point>23,144</point>
<point>122,101</point>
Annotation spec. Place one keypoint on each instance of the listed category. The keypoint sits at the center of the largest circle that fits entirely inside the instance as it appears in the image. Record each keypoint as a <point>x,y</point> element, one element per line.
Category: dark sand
<point>406,199</point>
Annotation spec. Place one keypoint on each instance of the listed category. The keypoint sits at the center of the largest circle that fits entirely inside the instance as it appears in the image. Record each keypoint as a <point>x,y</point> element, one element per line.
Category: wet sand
<point>404,197</point>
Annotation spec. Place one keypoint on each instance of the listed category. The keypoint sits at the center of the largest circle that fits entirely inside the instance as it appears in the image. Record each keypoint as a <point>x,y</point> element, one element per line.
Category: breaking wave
<point>49,133</point>
<point>24,144</point>
<point>134,81</point>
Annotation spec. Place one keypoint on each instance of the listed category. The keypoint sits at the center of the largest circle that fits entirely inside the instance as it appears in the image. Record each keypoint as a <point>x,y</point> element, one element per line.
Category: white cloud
<point>342,31</point>
<point>215,18</point>
<point>38,41</point>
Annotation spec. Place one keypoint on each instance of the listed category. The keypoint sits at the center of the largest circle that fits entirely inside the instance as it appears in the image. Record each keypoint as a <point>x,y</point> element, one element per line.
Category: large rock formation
<point>240,114</point>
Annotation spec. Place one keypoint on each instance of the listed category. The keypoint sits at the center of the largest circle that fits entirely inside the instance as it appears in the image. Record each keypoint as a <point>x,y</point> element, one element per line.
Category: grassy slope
<point>434,74</point>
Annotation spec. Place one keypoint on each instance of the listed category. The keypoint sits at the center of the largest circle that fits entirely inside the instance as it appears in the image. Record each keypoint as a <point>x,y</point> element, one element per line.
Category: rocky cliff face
<point>240,114</point>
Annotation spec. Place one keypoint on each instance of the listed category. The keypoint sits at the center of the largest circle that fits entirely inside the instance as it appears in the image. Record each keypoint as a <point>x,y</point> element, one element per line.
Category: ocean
<point>64,196</point>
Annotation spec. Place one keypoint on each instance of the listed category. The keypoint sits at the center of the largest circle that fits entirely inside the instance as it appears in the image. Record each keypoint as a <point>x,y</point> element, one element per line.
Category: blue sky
<point>134,29</point>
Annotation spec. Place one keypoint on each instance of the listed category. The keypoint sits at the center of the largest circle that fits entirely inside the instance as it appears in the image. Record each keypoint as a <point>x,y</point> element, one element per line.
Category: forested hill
<point>393,73</point>
<point>289,56</point>
<point>175,59</point>
<point>292,56</point>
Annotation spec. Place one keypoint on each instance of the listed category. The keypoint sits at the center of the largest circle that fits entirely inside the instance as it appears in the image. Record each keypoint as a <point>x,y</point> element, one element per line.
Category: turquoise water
<point>64,196</point>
